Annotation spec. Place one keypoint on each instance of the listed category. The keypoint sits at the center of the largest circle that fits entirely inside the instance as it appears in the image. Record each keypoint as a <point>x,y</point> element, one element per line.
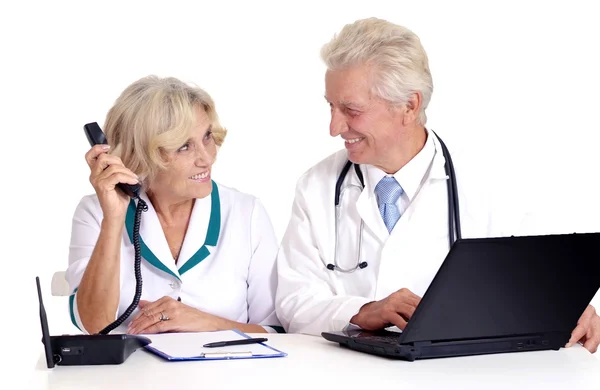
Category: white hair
<point>400,63</point>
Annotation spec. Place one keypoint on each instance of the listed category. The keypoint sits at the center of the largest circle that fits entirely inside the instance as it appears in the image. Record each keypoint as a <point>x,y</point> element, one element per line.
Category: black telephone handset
<point>100,348</point>
<point>95,136</point>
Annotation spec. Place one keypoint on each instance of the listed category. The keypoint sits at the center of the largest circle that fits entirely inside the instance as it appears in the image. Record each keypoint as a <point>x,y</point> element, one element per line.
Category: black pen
<point>234,342</point>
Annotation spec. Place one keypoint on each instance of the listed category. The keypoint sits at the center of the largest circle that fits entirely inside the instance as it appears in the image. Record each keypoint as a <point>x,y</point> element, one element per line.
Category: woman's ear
<point>165,156</point>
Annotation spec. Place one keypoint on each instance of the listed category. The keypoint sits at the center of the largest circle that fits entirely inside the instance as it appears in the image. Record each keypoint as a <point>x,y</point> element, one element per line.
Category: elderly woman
<point>207,251</point>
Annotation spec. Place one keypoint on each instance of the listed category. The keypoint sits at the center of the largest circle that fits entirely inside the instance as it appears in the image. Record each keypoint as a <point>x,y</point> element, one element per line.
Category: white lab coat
<point>312,299</point>
<point>226,266</point>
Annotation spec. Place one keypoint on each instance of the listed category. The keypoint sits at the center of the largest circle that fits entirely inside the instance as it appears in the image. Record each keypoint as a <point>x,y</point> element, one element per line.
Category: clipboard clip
<point>225,355</point>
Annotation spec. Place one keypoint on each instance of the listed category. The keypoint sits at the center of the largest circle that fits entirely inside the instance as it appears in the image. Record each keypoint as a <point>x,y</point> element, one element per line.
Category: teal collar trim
<point>212,236</point>
<point>71,309</point>
<point>278,329</point>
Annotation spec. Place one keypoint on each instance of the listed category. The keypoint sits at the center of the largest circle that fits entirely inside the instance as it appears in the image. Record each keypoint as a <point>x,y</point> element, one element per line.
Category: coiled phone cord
<point>141,206</point>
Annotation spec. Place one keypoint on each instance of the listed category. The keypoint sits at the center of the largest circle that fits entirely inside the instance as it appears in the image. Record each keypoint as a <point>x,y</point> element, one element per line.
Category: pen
<point>234,342</point>
<point>226,355</point>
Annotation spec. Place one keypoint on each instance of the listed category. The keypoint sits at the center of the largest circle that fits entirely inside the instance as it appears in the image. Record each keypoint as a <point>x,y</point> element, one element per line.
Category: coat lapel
<point>419,240</point>
<point>369,211</point>
<point>153,243</point>
<point>200,235</point>
<point>429,207</point>
<point>203,233</point>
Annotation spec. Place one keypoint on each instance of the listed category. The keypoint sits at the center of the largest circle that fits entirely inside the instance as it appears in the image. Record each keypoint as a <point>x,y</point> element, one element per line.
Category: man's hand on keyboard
<point>396,310</point>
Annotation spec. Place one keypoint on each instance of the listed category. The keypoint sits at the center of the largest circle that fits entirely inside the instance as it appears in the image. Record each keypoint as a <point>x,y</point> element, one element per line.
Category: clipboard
<point>189,346</point>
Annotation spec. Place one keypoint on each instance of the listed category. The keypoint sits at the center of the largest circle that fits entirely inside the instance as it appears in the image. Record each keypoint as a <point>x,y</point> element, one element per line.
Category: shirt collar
<point>410,175</point>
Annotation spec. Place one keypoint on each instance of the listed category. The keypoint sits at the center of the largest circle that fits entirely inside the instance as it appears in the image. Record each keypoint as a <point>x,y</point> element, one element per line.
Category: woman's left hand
<point>170,315</point>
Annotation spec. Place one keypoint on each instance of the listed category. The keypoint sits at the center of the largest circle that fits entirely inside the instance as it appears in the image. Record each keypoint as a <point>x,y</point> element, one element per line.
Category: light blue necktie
<point>388,191</point>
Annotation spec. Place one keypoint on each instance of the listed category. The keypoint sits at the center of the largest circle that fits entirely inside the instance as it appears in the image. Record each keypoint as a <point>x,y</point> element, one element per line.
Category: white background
<point>515,89</point>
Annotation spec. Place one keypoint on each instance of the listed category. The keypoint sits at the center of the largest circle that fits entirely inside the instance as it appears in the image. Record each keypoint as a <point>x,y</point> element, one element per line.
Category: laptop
<point>495,295</point>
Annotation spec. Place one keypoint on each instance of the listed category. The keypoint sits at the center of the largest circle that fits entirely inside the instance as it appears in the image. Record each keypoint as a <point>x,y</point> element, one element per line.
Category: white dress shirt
<point>410,176</point>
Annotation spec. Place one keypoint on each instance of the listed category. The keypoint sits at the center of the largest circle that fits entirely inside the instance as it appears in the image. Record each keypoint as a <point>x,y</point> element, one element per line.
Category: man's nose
<point>338,124</point>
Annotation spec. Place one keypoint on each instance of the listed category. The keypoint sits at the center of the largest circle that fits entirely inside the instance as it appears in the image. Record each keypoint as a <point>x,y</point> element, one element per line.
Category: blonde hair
<point>153,116</point>
<point>400,62</point>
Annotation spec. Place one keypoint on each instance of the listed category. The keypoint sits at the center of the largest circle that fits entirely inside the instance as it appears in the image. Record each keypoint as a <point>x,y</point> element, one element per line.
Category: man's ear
<point>412,108</point>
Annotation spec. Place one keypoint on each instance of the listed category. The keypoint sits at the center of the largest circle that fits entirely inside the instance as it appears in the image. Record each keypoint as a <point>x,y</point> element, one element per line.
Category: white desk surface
<point>314,363</point>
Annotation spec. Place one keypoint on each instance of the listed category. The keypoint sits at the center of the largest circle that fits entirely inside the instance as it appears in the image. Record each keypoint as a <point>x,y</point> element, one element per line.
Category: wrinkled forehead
<point>350,86</point>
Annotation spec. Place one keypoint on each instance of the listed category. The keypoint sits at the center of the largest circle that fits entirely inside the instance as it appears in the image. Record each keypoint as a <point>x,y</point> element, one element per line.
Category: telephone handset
<point>95,136</point>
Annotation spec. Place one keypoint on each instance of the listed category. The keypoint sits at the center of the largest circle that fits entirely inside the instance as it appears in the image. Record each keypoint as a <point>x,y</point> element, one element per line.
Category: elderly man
<point>368,262</point>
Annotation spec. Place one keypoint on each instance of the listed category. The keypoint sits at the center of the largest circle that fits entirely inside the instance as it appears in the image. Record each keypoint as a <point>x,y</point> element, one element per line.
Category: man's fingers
<point>588,314</point>
<point>402,305</point>
<point>395,319</point>
<point>407,293</point>
<point>591,344</point>
<point>593,335</point>
<point>579,331</point>
<point>406,310</point>
<point>406,296</point>
<point>414,301</point>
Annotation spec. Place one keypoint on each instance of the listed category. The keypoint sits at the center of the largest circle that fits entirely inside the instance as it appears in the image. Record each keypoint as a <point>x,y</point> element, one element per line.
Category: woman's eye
<point>184,148</point>
<point>208,135</point>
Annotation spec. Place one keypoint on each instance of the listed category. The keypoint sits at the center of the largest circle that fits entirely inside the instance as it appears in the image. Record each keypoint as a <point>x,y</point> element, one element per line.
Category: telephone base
<point>84,350</point>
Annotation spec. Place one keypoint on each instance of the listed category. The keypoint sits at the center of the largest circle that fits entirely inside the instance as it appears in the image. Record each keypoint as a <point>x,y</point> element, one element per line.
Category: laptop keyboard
<point>390,339</point>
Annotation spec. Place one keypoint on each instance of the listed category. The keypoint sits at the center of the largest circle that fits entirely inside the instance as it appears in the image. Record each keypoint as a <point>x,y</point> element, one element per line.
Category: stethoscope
<point>453,209</point>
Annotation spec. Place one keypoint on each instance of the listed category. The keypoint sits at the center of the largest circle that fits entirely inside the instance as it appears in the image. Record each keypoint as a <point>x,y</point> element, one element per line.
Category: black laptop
<point>495,295</point>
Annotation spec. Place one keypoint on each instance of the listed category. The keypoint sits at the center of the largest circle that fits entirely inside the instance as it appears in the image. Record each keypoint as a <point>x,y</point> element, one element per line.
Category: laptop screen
<point>494,287</point>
